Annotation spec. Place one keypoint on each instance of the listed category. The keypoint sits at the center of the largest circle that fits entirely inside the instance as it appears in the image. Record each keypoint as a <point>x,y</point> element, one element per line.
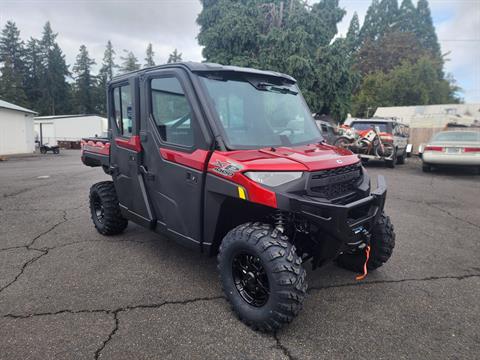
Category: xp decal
<point>226,168</point>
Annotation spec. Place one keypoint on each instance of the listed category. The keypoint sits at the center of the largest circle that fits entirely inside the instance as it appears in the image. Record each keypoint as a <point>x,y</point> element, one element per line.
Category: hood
<point>300,158</point>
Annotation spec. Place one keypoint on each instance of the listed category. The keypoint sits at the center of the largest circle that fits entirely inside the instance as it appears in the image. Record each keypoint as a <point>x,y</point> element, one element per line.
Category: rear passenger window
<point>122,108</point>
<point>171,111</point>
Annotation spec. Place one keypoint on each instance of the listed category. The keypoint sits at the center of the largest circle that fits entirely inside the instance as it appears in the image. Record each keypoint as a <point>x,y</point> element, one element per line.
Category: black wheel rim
<point>98,209</point>
<point>250,279</point>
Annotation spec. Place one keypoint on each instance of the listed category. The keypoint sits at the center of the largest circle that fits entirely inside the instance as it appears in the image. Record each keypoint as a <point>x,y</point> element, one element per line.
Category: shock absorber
<point>280,221</point>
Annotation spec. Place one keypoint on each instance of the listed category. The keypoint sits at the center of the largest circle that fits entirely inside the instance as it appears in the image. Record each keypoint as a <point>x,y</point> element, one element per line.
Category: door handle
<point>191,177</point>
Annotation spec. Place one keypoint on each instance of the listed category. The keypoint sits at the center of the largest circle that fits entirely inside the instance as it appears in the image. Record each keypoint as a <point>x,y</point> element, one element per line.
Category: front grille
<point>335,184</point>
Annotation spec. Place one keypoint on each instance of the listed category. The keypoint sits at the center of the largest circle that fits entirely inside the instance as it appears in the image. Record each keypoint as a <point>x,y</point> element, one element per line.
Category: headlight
<point>273,178</point>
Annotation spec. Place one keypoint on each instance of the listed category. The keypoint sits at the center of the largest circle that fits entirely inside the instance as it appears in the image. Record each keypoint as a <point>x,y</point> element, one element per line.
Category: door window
<point>123,111</point>
<point>171,111</point>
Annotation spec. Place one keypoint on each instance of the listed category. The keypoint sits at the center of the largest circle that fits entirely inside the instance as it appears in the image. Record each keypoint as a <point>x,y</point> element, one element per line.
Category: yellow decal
<point>241,193</point>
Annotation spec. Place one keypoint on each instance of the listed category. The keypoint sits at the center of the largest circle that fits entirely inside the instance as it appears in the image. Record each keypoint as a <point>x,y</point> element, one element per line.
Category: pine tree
<point>108,65</point>
<point>174,57</point>
<point>353,34</point>
<point>149,56</point>
<point>11,88</point>
<point>425,30</point>
<point>84,88</point>
<point>371,25</point>
<point>387,17</point>
<point>33,74</point>
<point>12,70</point>
<point>407,18</point>
<point>130,62</point>
<point>55,89</point>
<point>11,46</point>
<point>104,76</point>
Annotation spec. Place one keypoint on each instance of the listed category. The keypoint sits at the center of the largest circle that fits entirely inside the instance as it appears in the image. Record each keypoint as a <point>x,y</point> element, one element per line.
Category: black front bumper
<point>345,224</point>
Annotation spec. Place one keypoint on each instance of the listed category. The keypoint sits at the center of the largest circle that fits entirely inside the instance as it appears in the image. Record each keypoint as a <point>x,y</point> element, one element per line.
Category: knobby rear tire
<point>112,222</point>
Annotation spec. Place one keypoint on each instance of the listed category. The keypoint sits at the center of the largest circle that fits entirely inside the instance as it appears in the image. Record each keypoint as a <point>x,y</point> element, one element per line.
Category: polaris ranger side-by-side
<point>229,161</point>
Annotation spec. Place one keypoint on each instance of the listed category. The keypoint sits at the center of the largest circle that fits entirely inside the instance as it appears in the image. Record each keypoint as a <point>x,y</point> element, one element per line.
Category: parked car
<point>328,131</point>
<point>242,182</point>
<point>391,133</point>
<point>452,148</point>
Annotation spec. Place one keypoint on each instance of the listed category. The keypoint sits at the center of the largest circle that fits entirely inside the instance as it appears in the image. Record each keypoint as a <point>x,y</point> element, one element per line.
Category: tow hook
<point>365,269</point>
<point>364,244</point>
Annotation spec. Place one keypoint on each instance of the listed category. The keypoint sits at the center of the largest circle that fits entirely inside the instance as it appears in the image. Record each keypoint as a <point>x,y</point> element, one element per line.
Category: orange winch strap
<point>365,271</point>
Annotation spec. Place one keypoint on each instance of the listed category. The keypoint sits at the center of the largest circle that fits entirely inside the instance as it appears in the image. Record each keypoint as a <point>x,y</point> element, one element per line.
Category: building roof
<point>472,110</point>
<point>197,67</point>
<point>10,106</point>
<point>433,116</point>
<point>52,117</point>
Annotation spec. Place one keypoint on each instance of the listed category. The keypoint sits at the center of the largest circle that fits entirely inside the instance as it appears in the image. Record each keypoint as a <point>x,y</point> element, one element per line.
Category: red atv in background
<point>228,161</point>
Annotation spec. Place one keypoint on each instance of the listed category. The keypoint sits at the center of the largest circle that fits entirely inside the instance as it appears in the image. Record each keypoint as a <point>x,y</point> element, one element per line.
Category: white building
<point>16,129</point>
<point>432,116</point>
<point>68,128</point>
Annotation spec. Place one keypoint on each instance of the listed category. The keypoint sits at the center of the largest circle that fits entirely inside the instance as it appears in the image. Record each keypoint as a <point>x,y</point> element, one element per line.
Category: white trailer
<point>68,128</point>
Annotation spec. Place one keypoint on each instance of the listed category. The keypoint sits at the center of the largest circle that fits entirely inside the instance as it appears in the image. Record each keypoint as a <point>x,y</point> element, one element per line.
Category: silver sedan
<point>460,147</point>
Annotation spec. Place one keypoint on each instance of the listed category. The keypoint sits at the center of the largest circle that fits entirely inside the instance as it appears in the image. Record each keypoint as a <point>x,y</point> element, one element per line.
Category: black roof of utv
<point>196,67</point>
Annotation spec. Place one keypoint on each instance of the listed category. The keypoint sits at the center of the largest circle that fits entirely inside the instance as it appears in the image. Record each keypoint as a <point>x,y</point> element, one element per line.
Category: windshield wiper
<point>275,88</point>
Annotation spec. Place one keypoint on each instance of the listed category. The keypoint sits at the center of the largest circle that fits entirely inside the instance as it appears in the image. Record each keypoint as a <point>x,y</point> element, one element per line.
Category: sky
<point>169,24</point>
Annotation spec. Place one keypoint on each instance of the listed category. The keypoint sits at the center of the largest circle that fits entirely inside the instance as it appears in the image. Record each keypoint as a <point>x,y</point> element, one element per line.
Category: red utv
<point>228,161</point>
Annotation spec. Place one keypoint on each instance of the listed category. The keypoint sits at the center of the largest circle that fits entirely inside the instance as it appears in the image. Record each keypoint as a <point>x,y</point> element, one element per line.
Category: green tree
<point>108,65</point>
<point>174,57</point>
<point>371,24</point>
<point>416,83</point>
<point>353,33</point>
<point>388,52</point>
<point>105,75</point>
<point>387,16</point>
<point>11,88</point>
<point>85,83</point>
<point>336,80</point>
<point>149,56</point>
<point>130,62</point>
<point>425,30</point>
<point>12,67</point>
<point>56,91</point>
<point>284,36</point>
<point>33,72</point>
<point>407,18</point>
<point>229,31</point>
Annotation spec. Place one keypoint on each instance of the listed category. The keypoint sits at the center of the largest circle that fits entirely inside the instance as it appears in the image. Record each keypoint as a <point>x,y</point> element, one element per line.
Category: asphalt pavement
<point>67,292</point>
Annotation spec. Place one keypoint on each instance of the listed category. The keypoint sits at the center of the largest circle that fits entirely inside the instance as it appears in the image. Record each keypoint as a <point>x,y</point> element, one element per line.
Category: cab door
<point>176,154</point>
<point>126,152</point>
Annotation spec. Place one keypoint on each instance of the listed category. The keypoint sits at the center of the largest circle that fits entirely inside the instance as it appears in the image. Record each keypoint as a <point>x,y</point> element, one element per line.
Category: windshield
<point>457,136</point>
<point>257,113</point>
<point>384,127</point>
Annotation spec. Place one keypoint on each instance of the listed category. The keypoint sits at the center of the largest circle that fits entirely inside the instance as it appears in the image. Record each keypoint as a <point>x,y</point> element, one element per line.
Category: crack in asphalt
<point>22,270</point>
<point>30,248</point>
<point>362,283</point>
<point>115,313</point>
<point>116,310</point>
<point>110,336</point>
<point>282,347</point>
